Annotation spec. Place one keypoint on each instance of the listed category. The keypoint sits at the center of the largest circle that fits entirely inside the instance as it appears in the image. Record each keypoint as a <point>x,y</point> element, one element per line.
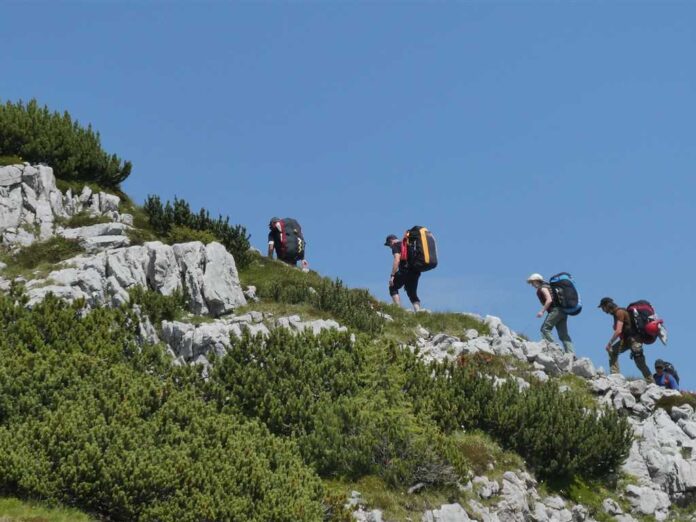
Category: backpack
<point>643,314</point>
<point>564,293</point>
<point>669,368</point>
<point>421,250</point>
<point>292,243</point>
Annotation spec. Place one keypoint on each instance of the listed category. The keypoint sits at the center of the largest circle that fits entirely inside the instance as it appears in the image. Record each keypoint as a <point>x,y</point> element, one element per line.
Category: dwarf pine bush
<point>177,221</point>
<point>316,390</point>
<point>555,432</point>
<point>91,419</point>
<point>41,136</point>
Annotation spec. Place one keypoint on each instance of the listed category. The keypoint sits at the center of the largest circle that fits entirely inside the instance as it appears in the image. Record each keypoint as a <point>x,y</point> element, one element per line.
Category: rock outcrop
<point>206,274</point>
<point>31,206</point>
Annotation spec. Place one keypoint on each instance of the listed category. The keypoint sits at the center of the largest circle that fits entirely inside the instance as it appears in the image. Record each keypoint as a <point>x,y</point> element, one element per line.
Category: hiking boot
<point>663,335</point>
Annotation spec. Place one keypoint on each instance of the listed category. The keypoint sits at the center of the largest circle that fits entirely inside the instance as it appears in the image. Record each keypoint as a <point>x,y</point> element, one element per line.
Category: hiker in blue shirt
<point>664,378</point>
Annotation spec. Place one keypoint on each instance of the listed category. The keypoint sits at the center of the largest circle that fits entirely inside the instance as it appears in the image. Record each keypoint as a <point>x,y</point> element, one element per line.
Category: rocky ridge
<point>662,459</point>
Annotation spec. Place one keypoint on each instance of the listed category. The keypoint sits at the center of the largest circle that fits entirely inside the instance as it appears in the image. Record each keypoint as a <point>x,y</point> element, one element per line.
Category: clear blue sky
<point>530,137</point>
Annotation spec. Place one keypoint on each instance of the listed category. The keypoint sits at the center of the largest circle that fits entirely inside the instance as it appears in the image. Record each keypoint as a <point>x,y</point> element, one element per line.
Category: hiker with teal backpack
<point>285,238</point>
<point>559,299</point>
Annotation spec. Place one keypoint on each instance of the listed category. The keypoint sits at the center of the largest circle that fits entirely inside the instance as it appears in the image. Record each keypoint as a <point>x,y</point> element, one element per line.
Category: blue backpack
<point>565,294</point>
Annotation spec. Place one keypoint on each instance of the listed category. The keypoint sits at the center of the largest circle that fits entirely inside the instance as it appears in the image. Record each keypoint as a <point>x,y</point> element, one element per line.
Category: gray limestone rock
<point>583,367</point>
<point>611,507</point>
<point>221,288</point>
<point>446,513</point>
<point>647,501</point>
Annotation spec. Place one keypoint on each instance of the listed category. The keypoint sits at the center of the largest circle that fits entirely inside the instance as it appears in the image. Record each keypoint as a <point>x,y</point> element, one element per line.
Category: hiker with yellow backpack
<point>414,254</point>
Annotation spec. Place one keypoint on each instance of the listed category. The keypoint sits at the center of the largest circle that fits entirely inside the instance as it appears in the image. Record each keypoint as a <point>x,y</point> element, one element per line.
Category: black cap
<point>273,220</point>
<point>659,363</point>
<point>389,239</point>
<point>605,301</point>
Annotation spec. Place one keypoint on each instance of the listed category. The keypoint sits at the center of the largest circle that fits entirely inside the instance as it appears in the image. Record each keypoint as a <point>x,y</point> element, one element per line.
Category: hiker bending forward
<point>402,275</point>
<point>555,316</point>
<point>623,339</point>
<point>275,245</point>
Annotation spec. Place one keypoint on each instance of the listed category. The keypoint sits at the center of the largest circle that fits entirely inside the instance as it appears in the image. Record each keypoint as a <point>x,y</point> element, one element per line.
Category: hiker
<point>286,239</point>
<point>664,377</point>
<point>623,339</point>
<point>402,275</point>
<point>555,316</point>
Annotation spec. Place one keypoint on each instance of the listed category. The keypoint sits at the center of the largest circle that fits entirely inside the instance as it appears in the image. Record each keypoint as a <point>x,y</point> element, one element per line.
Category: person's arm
<point>616,334</point>
<point>395,267</point>
<point>548,300</point>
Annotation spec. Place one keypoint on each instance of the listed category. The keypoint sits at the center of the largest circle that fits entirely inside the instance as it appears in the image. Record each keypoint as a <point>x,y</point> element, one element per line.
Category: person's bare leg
<point>396,300</point>
<point>416,306</point>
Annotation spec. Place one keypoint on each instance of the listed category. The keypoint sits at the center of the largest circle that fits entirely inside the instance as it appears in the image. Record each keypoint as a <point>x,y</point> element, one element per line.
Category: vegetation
<point>90,419</point>
<point>156,306</point>
<point>83,219</point>
<point>40,136</point>
<point>10,160</point>
<point>176,220</point>
<point>555,432</point>
<point>669,402</point>
<point>16,510</point>
<point>280,283</point>
<point>40,254</point>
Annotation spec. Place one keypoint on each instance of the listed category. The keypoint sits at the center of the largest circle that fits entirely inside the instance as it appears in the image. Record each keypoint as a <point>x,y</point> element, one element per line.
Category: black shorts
<point>409,280</point>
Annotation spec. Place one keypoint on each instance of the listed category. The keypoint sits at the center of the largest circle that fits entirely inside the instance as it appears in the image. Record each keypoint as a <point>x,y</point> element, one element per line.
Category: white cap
<point>535,277</point>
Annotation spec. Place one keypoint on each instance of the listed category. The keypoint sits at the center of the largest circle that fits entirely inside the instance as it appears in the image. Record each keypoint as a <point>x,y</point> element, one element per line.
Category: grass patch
<point>397,505</point>
<point>10,160</point>
<point>484,456</point>
<point>404,324</point>
<point>667,403</point>
<point>280,283</point>
<point>40,258</point>
<point>591,493</point>
<point>304,310</point>
<point>580,388</point>
<point>83,219</point>
<point>15,510</point>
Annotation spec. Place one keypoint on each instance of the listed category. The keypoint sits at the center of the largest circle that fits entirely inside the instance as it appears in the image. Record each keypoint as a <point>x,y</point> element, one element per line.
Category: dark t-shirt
<point>396,249</point>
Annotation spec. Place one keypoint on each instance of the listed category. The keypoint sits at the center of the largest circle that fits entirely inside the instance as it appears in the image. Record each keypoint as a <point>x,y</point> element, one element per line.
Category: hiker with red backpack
<point>624,338</point>
<point>554,296</point>
<point>286,239</point>
<point>414,254</point>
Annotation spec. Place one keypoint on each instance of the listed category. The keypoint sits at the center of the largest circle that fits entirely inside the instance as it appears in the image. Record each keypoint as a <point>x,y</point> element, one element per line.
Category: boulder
<point>446,513</point>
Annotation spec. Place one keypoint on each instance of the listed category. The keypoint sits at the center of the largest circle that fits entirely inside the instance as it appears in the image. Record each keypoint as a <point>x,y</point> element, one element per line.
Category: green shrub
<point>91,419</point>
<point>556,433</point>
<point>315,389</point>
<point>179,234</point>
<point>51,251</point>
<point>156,306</point>
<point>41,136</point>
<point>163,219</point>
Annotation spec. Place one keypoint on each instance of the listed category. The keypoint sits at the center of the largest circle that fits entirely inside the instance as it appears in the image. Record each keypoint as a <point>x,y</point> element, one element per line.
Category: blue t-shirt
<point>666,380</point>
